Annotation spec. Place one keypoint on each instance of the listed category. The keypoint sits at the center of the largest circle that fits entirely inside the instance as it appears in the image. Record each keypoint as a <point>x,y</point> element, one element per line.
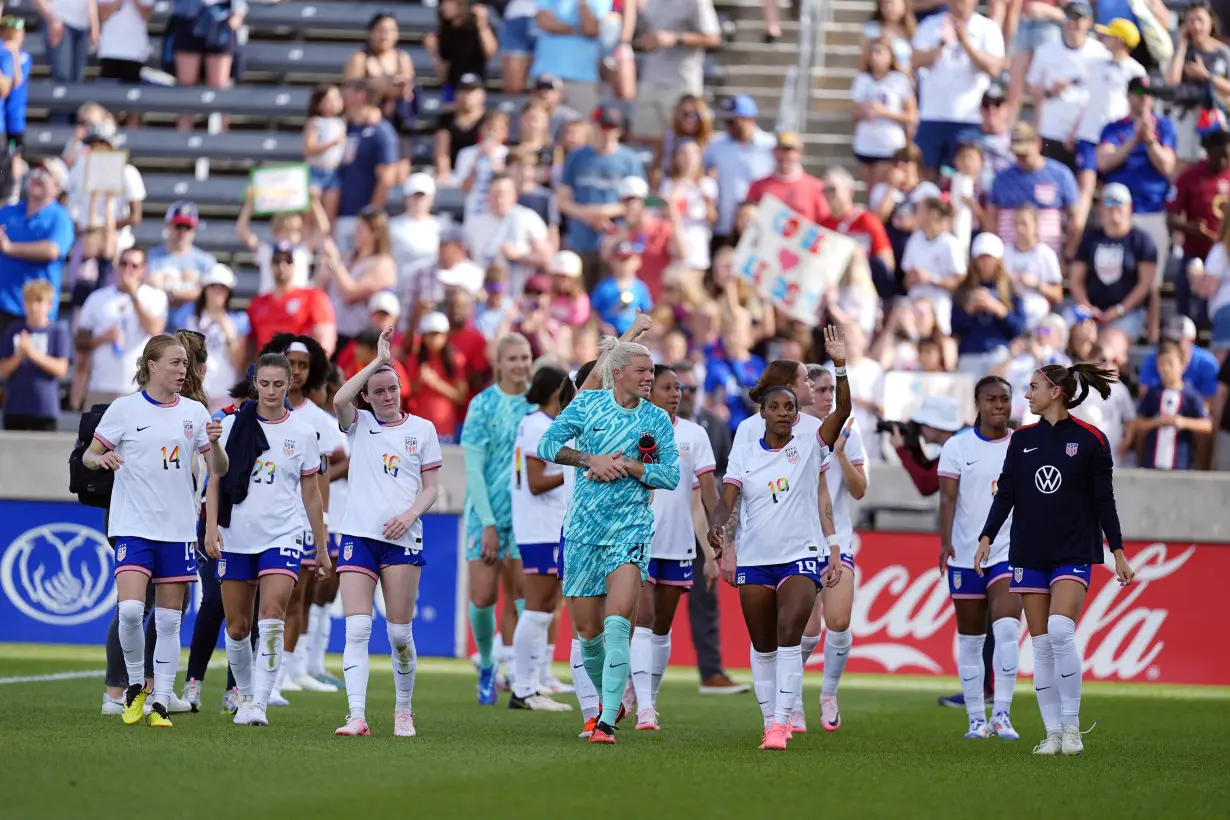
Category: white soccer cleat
<point>556,686</point>
<point>979,729</point>
<point>112,706</point>
<point>307,683</point>
<point>276,699</point>
<point>1001,726</point>
<point>192,694</point>
<point>1071,742</point>
<point>289,685</point>
<point>798,722</point>
<point>257,717</point>
<point>540,702</point>
<point>1053,745</point>
<point>403,724</point>
<point>243,715</point>
<point>178,705</point>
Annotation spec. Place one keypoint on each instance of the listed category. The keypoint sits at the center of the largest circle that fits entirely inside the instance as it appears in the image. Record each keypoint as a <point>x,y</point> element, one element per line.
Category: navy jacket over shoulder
<point>1057,482</point>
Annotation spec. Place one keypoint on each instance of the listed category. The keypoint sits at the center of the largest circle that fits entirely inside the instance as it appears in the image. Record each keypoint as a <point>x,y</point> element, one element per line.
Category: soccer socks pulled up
<point>320,625</point>
<point>836,653</point>
<point>272,634</point>
<point>661,657</point>
<point>593,656</point>
<point>587,693</point>
<point>529,647</point>
<point>239,656</point>
<point>405,662</point>
<point>809,644</point>
<point>482,624</point>
<point>296,661</point>
<point>789,676</point>
<point>356,665</point>
<point>764,682</point>
<point>969,667</point>
<point>166,653</point>
<point>617,632</point>
<point>544,664</point>
<point>1067,668</point>
<point>1044,683</point>
<point>1007,632</point>
<point>132,639</point>
<point>641,665</point>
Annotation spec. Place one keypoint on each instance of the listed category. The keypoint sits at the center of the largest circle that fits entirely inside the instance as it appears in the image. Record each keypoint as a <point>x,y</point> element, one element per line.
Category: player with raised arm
<point>149,439</point>
<point>679,519</point>
<point>394,457</point>
<point>254,529</point>
<point>970,464</point>
<point>1057,482</point>
<point>785,506</point>
<point>624,448</point>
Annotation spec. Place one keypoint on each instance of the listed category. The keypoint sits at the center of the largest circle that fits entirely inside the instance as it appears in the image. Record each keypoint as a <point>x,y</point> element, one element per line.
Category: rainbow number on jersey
<point>781,485</point>
<point>392,464</point>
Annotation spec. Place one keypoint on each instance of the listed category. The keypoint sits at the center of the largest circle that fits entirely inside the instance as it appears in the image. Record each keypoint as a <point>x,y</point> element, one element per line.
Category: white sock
<point>239,656</point>
<point>297,660</point>
<point>1007,633</point>
<point>1044,683</point>
<point>810,642</point>
<point>166,653</point>
<point>405,661</point>
<point>586,692</point>
<point>529,645</point>
<point>272,634</point>
<point>969,667</point>
<point>132,640</point>
<point>789,674</point>
<point>283,670</point>
<point>356,664</point>
<point>764,682</point>
<point>1068,668</point>
<point>661,657</point>
<point>640,662</point>
<point>544,670</point>
<point>836,653</point>
<point>504,656</point>
<point>317,616</point>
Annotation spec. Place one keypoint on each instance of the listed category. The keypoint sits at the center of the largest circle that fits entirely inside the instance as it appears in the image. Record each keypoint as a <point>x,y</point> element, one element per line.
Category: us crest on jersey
<point>221,567</point>
<point>792,454</point>
<point>288,446</point>
<point>412,445</point>
<point>348,551</point>
<point>956,580</point>
<point>1017,574</point>
<point>187,429</point>
<point>1072,447</point>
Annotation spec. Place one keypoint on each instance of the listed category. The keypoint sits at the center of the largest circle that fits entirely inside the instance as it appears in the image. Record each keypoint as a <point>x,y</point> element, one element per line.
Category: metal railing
<point>796,102</point>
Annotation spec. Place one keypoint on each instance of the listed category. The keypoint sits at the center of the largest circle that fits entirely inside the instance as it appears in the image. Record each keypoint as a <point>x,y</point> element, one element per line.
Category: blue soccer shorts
<point>540,559</point>
<point>163,562</point>
<point>968,585</point>
<point>369,556</point>
<point>233,566</point>
<point>673,572</point>
<point>1026,580</point>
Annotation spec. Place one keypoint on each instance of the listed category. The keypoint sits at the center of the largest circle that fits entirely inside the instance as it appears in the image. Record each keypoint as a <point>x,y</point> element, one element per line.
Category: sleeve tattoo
<point>569,457</point>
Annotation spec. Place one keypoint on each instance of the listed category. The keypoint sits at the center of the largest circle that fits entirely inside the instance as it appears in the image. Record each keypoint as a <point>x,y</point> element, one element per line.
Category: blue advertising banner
<point>56,577</point>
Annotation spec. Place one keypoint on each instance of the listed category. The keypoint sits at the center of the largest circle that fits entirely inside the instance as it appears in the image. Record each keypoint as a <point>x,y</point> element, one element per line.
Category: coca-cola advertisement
<point>1156,630</point>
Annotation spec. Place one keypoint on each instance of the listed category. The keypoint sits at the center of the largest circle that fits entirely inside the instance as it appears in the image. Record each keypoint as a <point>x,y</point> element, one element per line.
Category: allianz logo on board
<point>60,574</point>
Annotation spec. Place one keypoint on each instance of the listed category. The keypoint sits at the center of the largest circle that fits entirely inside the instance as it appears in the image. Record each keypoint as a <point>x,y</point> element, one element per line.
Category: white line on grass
<point>87,673</point>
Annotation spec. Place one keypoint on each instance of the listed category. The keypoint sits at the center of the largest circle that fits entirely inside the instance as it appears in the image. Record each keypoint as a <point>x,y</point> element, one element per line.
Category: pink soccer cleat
<point>830,718</point>
<point>403,724</point>
<point>647,719</point>
<point>775,737</point>
<point>355,727</point>
<point>798,723</point>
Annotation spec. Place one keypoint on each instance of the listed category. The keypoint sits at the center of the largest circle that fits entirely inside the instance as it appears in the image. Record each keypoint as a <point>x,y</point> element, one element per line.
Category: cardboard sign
<point>904,392</point>
<point>104,171</point>
<point>281,189</point>
<point>791,260</point>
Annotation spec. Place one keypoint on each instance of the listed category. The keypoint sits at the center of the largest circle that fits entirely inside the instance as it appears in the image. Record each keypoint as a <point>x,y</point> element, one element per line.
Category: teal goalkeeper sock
<point>615,675</point>
<point>593,654</point>
<point>520,602</point>
<point>482,623</point>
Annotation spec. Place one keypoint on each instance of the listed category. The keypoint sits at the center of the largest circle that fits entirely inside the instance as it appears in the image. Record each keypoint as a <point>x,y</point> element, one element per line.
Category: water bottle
<point>648,448</point>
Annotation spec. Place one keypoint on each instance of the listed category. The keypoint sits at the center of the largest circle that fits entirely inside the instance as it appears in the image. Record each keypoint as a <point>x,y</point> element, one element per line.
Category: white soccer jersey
<point>272,514</point>
<point>674,537</point>
<point>779,516</point>
<point>536,519</point>
<point>339,489</point>
<point>328,435</point>
<point>387,462</point>
<point>153,495</point>
<point>840,492</point>
<point>977,463</point>
<point>751,430</point>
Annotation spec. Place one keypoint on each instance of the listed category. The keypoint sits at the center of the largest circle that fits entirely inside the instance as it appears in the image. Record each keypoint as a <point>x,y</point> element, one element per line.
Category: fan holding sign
<point>281,189</point>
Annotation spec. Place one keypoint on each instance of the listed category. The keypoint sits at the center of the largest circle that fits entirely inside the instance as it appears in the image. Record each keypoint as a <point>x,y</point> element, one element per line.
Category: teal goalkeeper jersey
<point>488,436</point>
<point>615,513</point>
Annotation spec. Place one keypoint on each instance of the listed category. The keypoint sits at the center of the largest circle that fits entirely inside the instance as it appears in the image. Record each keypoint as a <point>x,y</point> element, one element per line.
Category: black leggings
<point>209,621</point>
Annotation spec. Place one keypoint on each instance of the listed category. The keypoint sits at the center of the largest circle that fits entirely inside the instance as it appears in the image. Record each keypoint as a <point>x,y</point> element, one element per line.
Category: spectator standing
<point>691,196</point>
<point>437,377</point>
<point>934,262</point>
<point>692,121</point>
<point>731,369</point>
<point>1033,266</point>
<point>1058,81</point>
<point>993,137</point>
<point>352,281</point>
<point>36,236</point>
<point>177,265</point>
<point>509,232</point>
<point>884,108</point>
<point>1195,207</point>
<point>226,335</point>
<point>895,20</point>
<point>801,191</point>
<point>33,359</point>
<point>673,41</point>
<point>384,68</point>
<point>456,269</point>
<point>459,129</point>
<point>128,201</point>
<point>534,137</point>
<point>1115,268</point>
<point>1197,366</point>
<point>523,167</point>
<point>987,314</point>
<point>16,65</point>
<point>1200,68</point>
<point>466,340</point>
<point>1169,417</point>
<point>123,43</point>
<point>415,237</point>
<point>659,238</point>
<point>478,164</point>
<point>72,28</point>
<point>370,162</point>
<point>895,203</point>
<point>204,33</point>
<point>1035,180</point>
<point>517,37</point>
<point>463,44</point>
<point>1031,28</point>
<point>569,303</point>
<point>961,51</point>
<point>618,298</point>
<point>862,226</point>
<point>738,157</point>
<point>324,144</point>
<point>548,92</point>
<point>291,309</point>
<point>568,47</point>
<point>289,228</point>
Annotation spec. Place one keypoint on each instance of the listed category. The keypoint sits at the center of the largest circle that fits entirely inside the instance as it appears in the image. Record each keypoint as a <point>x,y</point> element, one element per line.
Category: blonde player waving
<point>150,439</point>
<point>393,481</point>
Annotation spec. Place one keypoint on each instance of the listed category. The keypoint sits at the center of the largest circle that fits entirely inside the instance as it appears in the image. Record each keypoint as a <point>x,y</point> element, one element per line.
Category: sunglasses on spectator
<point>688,388</point>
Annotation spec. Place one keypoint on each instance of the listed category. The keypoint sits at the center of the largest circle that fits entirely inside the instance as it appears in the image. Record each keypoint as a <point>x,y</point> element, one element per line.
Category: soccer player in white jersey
<point>785,507</point>
<point>847,480</point>
<point>970,465</point>
<point>679,519</point>
<point>540,493</point>
<point>150,439</point>
<point>254,529</point>
<point>394,457</point>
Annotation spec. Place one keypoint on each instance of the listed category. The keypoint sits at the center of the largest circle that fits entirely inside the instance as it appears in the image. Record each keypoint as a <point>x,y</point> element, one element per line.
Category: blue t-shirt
<point>1148,185</point>
<point>15,103</point>
<point>1053,186</point>
<point>594,180</point>
<point>51,223</point>
<point>160,260</point>
<point>1169,454</point>
<point>367,148</point>
<point>608,299</point>
<point>1200,374</point>
<point>570,57</point>
<point>1113,264</point>
<point>736,378</point>
<point>31,390</point>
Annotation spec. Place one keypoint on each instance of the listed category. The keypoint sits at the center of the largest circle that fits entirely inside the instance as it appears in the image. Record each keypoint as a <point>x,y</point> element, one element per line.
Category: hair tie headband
<point>1063,392</point>
<point>298,347</point>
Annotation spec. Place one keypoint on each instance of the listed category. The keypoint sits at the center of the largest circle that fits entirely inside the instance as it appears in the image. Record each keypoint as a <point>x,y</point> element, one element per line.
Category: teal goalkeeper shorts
<point>474,542</point>
<point>586,566</point>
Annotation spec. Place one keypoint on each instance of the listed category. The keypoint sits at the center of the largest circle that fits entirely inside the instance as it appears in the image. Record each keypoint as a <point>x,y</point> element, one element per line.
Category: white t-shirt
<point>1055,62</point>
<point>977,464</point>
<point>1040,263</point>
<point>271,516</point>
<point>220,371</point>
<point>416,246</point>
<point>840,492</point>
<point>751,429</point>
<point>125,36</point>
<point>674,537</point>
<point>73,13</point>
<point>536,519</point>
<point>154,495</point>
<point>1110,415</point>
<point>486,235</point>
<point>302,257</point>
<point>339,488</point>
<point>697,230</point>
<point>113,366</point>
<point>387,463</point>
<point>779,515</point>
<point>943,258</point>
<point>880,137</point>
<point>329,437</point>
<point>353,317</point>
<point>327,129</point>
<point>1218,264</point>
<point>951,89</point>
<point>1108,100</point>
<point>132,190</point>
<point>467,158</point>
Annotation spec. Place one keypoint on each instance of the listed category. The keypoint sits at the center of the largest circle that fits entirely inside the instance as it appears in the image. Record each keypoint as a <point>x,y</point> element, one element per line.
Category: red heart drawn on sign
<point>787,259</point>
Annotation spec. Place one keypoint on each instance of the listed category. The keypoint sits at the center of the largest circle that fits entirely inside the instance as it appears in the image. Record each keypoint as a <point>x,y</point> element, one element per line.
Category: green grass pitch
<point>1158,752</point>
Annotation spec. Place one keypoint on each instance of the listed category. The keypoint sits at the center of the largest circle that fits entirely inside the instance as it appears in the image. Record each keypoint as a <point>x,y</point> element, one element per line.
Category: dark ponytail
<point>1074,382</point>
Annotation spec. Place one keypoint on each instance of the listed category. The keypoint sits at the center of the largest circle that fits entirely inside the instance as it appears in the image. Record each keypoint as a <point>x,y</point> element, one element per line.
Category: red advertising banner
<point>1163,628</point>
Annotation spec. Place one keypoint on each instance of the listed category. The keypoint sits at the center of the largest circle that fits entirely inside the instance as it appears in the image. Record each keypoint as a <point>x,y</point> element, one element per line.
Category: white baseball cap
<point>219,275</point>
<point>434,322</point>
<point>567,263</point>
<point>420,183</point>
<point>987,244</point>
<point>939,412</point>
<point>385,302</point>
<point>464,274</point>
<point>633,188</point>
